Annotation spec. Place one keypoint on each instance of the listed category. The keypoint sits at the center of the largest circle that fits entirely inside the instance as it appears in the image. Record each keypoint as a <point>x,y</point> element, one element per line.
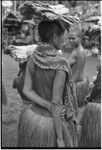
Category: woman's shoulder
<point>31,64</point>
<point>81,53</point>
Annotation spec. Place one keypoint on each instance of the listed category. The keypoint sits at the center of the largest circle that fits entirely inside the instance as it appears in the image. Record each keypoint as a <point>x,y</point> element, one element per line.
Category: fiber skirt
<point>37,130</point>
<point>82,90</point>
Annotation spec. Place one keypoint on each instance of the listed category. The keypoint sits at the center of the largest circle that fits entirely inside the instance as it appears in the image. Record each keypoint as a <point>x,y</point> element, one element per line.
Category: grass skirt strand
<point>35,130</point>
<point>82,89</point>
<point>38,131</point>
<point>91,126</point>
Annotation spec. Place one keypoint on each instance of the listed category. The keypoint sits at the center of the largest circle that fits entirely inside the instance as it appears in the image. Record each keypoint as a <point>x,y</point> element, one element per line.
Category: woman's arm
<point>80,66</point>
<point>57,104</point>
<point>28,90</point>
<point>72,59</point>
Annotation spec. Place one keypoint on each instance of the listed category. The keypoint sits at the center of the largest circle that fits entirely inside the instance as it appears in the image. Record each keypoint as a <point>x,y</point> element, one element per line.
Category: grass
<point>11,111</point>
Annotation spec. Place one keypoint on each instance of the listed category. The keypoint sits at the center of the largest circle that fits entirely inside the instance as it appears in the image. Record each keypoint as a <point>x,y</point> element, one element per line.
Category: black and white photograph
<point>50,74</point>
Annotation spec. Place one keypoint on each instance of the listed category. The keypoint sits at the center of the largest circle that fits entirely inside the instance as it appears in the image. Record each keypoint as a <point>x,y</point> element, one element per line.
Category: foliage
<point>4,38</point>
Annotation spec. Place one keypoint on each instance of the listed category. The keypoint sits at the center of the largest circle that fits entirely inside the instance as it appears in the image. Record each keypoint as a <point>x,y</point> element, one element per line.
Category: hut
<point>11,22</point>
<point>15,25</point>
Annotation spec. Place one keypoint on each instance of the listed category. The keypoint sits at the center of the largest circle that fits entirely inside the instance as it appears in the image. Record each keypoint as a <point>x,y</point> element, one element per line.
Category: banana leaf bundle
<point>48,12</point>
<point>21,53</point>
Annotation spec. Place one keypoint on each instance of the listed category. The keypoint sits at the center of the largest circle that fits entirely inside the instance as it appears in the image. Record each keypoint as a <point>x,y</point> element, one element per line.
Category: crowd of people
<point>39,85</point>
<point>52,86</point>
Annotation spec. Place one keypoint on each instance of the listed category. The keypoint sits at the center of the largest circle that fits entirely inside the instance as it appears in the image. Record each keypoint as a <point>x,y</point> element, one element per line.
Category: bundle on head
<point>91,126</point>
<point>48,12</point>
<point>82,89</point>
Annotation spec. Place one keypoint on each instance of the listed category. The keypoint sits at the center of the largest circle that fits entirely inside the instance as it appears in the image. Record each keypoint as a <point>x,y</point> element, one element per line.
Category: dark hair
<point>46,29</point>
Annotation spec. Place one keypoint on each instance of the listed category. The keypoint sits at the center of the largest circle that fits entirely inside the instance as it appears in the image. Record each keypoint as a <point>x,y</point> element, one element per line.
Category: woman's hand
<point>60,143</point>
<point>28,91</point>
<point>49,108</point>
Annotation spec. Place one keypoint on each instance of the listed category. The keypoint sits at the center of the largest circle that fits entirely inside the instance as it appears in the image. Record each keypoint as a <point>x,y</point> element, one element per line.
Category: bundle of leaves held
<point>21,53</point>
<point>48,12</point>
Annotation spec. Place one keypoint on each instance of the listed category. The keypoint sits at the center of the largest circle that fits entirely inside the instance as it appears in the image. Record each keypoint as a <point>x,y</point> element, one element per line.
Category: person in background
<point>77,60</point>
<point>78,56</point>
<point>95,94</point>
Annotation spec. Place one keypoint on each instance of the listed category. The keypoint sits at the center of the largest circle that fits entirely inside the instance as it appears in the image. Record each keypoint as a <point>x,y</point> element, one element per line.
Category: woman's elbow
<point>25,91</point>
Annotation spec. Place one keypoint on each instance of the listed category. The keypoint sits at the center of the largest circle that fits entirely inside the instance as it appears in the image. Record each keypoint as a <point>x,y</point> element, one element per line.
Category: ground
<point>11,111</point>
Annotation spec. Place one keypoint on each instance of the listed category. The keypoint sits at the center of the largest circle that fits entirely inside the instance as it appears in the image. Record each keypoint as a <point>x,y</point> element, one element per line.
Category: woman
<point>77,60</point>
<point>49,120</point>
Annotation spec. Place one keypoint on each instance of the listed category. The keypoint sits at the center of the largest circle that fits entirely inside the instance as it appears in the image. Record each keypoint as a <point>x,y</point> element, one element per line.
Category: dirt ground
<point>11,111</point>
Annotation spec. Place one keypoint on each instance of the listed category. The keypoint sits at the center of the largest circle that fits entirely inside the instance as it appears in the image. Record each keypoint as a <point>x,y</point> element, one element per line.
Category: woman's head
<point>52,32</point>
<point>75,36</point>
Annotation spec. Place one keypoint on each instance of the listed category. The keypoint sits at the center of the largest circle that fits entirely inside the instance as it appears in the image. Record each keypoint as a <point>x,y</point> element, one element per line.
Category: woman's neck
<point>52,44</point>
<point>55,46</point>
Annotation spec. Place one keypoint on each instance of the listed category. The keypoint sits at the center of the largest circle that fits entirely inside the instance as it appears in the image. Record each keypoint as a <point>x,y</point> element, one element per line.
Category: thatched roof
<point>11,19</point>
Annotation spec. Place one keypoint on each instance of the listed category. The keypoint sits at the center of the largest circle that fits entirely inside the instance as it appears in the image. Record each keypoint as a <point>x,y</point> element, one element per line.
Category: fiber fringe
<point>82,90</point>
<point>35,130</point>
<point>91,126</point>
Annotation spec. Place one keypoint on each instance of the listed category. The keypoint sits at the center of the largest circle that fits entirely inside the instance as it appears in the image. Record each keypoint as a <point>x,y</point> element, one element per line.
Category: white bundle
<point>95,27</point>
<point>95,50</point>
<point>21,53</point>
<point>59,9</point>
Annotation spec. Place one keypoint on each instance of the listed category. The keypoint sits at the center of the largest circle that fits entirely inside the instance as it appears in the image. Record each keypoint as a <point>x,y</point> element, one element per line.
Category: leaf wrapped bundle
<point>49,12</point>
<point>21,53</point>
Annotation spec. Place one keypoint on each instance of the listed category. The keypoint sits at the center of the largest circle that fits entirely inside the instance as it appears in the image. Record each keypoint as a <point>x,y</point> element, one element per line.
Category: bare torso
<point>77,61</point>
